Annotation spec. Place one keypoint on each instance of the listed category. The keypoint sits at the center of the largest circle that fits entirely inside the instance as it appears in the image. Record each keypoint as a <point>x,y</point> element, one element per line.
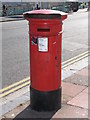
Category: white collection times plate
<point>43,44</point>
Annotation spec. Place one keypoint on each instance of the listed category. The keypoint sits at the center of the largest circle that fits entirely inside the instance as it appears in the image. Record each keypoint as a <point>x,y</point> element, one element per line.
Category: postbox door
<point>45,62</point>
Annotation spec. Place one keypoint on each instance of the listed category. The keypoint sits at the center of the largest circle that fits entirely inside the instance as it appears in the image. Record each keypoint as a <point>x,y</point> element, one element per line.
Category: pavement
<point>11,18</point>
<point>75,91</point>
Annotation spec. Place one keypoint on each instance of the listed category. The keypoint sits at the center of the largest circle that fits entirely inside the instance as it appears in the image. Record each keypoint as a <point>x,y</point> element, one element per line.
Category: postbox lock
<point>43,44</point>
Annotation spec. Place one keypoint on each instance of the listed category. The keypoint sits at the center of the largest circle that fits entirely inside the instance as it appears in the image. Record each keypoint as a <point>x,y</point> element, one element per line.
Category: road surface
<point>15,45</point>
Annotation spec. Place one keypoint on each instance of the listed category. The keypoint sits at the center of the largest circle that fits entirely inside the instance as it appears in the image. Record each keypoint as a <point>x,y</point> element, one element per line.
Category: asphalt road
<point>15,45</point>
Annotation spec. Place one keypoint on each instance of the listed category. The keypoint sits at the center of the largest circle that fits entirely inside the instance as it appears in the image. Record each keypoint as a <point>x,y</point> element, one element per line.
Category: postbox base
<point>45,101</point>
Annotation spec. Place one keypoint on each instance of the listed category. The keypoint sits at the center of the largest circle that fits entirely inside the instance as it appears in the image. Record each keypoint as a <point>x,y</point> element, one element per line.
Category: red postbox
<point>45,32</point>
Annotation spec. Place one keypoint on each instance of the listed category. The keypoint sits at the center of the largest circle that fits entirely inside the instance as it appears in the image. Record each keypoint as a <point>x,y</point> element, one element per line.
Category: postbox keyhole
<point>55,57</point>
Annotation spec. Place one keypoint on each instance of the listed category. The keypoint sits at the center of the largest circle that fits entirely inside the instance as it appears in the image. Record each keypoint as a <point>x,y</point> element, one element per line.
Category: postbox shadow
<point>31,114</point>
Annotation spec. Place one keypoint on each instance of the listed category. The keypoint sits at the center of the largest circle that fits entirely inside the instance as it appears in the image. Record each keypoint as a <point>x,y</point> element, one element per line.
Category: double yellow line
<point>14,87</point>
<point>75,59</point>
<point>18,85</point>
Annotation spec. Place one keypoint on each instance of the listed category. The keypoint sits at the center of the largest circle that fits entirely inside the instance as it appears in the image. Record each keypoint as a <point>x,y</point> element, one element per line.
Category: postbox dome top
<point>45,14</point>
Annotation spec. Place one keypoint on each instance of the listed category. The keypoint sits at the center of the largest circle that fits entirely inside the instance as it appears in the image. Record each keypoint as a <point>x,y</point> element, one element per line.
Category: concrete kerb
<point>11,101</point>
<point>12,18</point>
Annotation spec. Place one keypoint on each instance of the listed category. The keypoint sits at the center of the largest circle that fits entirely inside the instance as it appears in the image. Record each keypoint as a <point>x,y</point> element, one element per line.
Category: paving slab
<point>13,104</point>
<point>65,98</point>
<point>16,111</point>
<point>87,90</point>
<point>83,72</point>
<point>71,112</point>
<point>80,100</point>
<point>77,79</point>
<point>70,89</point>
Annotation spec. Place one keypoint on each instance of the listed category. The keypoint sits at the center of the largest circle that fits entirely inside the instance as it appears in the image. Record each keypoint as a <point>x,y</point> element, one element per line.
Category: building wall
<point>0,9</point>
<point>17,8</point>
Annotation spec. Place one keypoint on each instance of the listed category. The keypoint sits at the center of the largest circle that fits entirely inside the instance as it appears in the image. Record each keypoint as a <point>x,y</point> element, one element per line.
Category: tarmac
<point>74,97</point>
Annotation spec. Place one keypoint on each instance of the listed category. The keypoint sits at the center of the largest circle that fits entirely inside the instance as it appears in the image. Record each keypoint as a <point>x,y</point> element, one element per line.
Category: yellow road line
<point>14,89</point>
<point>75,57</point>
<point>17,83</point>
<point>74,61</point>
